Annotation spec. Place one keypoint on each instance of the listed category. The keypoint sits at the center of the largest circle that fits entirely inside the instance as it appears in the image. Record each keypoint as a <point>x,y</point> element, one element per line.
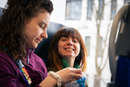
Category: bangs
<point>70,32</point>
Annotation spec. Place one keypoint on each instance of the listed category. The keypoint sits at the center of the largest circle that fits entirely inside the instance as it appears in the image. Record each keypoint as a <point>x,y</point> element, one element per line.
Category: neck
<point>70,61</point>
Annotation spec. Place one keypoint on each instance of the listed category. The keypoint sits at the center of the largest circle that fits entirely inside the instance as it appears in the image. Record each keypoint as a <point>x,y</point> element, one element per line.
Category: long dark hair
<point>12,23</point>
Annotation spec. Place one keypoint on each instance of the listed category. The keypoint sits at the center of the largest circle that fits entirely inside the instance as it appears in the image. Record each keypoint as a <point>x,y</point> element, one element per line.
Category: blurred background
<point>93,19</point>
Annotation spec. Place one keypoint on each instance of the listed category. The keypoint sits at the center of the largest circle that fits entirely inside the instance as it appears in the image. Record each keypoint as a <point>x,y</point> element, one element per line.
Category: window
<point>113,8</point>
<point>126,1</point>
<point>89,9</point>
<point>101,3</point>
<point>87,44</point>
<point>73,9</point>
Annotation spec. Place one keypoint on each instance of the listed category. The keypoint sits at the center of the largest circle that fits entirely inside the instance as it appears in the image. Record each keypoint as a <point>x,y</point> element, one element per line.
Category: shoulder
<point>4,58</point>
<point>2,54</point>
<point>6,63</point>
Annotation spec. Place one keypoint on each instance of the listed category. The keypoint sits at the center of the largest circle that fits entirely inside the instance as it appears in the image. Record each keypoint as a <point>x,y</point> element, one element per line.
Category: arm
<point>67,75</point>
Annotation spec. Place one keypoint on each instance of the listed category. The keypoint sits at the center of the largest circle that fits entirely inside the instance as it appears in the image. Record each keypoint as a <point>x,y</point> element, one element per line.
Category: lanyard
<point>24,72</point>
<point>26,76</point>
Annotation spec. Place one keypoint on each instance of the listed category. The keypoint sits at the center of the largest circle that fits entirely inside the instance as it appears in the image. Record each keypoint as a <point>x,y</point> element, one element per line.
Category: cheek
<point>29,36</point>
<point>60,45</point>
<point>60,48</point>
<point>78,48</point>
<point>60,51</point>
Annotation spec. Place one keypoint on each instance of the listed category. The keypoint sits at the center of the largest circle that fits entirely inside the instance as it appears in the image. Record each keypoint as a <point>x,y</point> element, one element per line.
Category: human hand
<point>69,74</point>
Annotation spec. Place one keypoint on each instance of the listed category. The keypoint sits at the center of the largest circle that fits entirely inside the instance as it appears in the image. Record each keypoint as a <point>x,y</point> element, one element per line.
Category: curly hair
<point>12,23</point>
<point>53,55</point>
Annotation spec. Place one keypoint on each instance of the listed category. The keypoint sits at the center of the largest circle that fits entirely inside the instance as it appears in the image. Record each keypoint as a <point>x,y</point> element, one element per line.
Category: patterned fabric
<point>26,76</point>
<point>23,70</point>
<point>77,83</point>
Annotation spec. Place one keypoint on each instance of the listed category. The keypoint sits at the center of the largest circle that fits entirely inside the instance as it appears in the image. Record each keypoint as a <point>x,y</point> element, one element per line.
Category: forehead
<point>44,17</point>
<point>73,37</point>
<point>41,17</point>
<point>68,33</point>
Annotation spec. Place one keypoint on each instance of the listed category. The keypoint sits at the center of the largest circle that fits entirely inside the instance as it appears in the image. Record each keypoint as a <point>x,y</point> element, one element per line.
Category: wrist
<point>57,77</point>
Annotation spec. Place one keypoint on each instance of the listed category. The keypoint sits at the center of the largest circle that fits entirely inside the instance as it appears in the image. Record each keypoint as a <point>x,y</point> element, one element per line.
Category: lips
<point>38,40</point>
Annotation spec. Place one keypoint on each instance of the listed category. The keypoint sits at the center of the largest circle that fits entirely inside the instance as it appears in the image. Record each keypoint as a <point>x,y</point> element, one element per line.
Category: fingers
<point>70,74</point>
<point>75,73</point>
<point>77,76</point>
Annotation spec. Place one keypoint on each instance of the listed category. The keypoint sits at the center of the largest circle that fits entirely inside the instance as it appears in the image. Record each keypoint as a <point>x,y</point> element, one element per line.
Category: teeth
<point>68,49</point>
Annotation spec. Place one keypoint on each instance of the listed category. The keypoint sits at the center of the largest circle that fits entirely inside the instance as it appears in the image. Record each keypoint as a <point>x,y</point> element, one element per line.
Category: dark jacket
<point>10,75</point>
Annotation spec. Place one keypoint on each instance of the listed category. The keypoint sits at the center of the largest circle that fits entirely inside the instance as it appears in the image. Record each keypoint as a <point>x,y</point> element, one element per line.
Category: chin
<point>33,46</point>
<point>68,56</point>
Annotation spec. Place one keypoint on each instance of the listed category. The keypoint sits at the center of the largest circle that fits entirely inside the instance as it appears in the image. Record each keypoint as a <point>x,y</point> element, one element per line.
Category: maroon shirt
<point>10,75</point>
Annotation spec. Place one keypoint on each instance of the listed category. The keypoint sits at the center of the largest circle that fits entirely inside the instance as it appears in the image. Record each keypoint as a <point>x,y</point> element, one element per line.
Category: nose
<point>70,42</point>
<point>44,34</point>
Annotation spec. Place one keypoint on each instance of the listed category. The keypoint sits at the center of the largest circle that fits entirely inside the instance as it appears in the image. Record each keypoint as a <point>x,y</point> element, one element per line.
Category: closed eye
<point>42,26</point>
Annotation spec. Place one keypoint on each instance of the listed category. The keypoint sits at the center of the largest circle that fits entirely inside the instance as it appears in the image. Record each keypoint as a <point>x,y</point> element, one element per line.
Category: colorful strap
<point>24,72</point>
<point>26,76</point>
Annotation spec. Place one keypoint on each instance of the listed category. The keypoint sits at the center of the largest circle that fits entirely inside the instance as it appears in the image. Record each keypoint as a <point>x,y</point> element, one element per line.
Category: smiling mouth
<point>38,40</point>
<point>69,49</point>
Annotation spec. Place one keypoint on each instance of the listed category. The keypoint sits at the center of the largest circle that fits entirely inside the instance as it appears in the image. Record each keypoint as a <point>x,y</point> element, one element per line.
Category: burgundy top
<point>10,75</point>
